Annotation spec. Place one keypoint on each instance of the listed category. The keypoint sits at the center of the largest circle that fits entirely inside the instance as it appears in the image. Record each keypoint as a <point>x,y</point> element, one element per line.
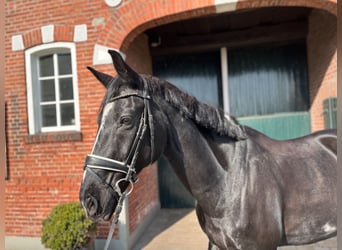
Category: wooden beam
<point>284,32</point>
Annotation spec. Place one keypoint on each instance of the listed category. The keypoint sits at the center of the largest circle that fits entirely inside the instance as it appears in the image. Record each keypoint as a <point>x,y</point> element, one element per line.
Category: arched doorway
<point>251,63</point>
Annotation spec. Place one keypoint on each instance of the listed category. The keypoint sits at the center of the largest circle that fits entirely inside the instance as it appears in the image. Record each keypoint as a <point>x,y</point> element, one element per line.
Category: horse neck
<point>199,161</point>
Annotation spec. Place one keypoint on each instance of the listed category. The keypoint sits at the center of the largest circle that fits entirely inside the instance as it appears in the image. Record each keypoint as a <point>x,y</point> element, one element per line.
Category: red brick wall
<point>322,60</point>
<point>44,171</point>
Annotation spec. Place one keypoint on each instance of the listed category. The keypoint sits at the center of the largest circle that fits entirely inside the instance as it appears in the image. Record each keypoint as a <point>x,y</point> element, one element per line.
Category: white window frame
<point>33,102</point>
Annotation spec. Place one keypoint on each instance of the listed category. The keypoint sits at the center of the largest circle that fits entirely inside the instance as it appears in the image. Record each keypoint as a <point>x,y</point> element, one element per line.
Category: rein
<point>128,166</point>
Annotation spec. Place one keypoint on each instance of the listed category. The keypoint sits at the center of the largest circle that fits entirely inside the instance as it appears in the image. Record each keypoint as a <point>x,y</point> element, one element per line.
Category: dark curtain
<point>198,75</point>
<point>268,80</point>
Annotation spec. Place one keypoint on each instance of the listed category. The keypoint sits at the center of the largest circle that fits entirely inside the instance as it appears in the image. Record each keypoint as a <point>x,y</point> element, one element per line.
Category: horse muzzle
<point>98,205</point>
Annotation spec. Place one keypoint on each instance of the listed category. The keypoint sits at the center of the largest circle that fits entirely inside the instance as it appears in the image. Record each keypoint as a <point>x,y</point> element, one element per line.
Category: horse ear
<point>102,77</point>
<point>123,70</point>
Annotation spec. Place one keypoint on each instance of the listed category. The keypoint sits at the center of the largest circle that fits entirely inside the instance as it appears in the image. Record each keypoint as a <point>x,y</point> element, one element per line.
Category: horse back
<point>325,140</point>
<point>328,140</point>
<point>305,169</point>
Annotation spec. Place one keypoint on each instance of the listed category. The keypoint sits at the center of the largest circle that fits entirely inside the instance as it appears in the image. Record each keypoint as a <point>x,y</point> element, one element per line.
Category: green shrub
<point>67,227</point>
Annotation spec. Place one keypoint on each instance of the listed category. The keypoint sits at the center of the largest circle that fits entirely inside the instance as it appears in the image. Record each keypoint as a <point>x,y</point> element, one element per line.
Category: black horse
<point>252,192</point>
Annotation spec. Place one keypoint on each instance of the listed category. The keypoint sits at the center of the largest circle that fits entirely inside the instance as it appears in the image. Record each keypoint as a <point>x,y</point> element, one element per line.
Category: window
<point>52,92</point>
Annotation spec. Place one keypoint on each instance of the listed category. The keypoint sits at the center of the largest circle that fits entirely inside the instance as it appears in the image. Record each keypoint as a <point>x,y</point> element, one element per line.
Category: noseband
<point>126,167</point>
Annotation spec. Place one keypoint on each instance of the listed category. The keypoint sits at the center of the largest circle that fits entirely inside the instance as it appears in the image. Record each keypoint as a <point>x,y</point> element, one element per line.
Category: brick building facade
<point>44,166</point>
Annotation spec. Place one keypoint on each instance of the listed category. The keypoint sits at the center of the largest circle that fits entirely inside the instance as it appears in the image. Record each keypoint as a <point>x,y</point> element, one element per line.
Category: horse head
<point>129,127</point>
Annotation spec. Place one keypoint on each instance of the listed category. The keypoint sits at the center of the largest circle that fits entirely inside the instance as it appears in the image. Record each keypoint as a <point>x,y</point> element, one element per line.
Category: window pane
<point>64,64</point>
<point>65,89</point>
<point>49,115</point>
<point>47,90</point>
<point>67,114</point>
<point>46,65</point>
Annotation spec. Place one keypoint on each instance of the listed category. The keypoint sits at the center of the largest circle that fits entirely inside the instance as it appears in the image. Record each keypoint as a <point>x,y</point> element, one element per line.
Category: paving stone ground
<point>178,229</point>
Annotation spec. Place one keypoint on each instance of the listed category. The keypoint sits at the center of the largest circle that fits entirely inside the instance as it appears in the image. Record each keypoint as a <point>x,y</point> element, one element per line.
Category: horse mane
<point>203,115</point>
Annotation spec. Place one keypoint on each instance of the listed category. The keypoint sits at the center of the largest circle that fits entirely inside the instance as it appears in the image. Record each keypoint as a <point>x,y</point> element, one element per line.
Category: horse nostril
<point>91,205</point>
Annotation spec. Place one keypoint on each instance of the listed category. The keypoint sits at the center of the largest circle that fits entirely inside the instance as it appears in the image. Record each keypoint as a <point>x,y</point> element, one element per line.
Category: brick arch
<point>32,38</point>
<point>62,33</point>
<point>134,17</point>
<point>327,5</point>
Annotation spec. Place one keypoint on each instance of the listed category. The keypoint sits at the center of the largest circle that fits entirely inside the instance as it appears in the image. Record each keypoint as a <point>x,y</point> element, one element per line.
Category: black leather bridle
<point>126,167</point>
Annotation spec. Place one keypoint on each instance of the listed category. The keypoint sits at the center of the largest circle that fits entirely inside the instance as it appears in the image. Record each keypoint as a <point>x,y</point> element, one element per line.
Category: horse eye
<point>125,120</point>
